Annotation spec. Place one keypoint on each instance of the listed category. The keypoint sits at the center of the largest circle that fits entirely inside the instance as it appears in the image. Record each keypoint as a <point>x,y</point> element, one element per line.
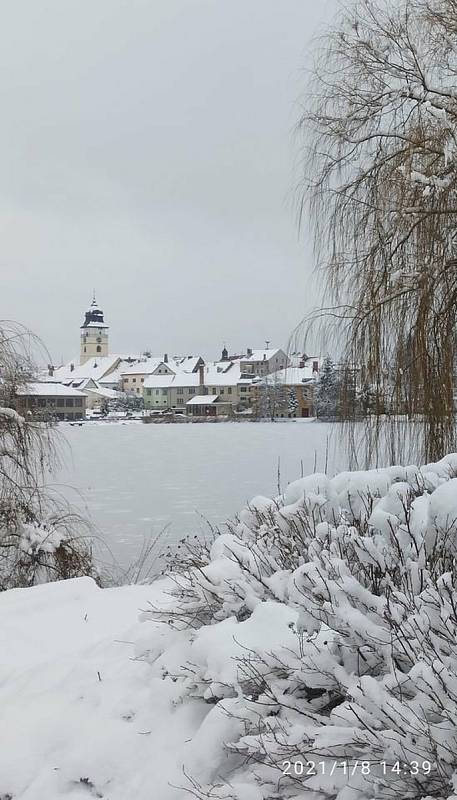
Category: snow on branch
<point>321,633</point>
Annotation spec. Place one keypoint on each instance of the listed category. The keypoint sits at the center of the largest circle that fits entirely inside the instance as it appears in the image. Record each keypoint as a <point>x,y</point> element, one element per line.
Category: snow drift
<point>308,652</point>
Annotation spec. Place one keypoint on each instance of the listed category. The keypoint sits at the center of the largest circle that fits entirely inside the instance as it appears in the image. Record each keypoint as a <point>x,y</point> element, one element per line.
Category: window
<point>222,391</point>
<point>42,402</point>
<point>214,390</point>
<point>133,380</point>
<point>60,401</point>
<point>180,401</point>
<point>229,390</point>
<point>164,391</point>
<point>180,390</point>
<point>191,391</point>
<point>242,388</point>
<point>157,391</point>
<point>69,402</point>
<point>148,392</point>
<point>78,402</point>
<point>142,380</point>
<point>84,349</point>
<point>99,349</point>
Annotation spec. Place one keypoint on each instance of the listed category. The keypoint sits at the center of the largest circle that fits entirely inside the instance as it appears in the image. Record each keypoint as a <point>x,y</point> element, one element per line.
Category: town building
<point>208,406</point>
<point>50,401</point>
<point>288,392</point>
<point>170,383</point>
<point>135,376</point>
<point>263,362</point>
<point>222,379</point>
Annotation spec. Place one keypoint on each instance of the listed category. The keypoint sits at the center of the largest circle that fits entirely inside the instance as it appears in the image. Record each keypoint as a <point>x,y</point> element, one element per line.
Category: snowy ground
<point>258,654</point>
<point>135,480</point>
<point>80,718</point>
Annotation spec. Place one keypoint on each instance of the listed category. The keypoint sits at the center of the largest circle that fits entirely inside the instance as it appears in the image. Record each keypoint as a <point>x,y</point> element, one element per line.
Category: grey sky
<point>146,150</point>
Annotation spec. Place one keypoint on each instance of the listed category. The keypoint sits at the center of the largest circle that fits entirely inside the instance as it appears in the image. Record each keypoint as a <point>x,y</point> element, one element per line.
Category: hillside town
<point>257,384</point>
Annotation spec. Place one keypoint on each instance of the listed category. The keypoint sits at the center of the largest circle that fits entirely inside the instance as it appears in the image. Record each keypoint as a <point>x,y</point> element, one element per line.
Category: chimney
<point>201,373</point>
<point>50,370</point>
<point>72,366</point>
<point>315,366</point>
<point>264,356</point>
<point>165,358</point>
<point>249,352</point>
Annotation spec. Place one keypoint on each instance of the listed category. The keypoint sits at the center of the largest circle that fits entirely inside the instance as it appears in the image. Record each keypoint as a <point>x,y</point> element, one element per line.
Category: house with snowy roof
<point>262,362</point>
<point>290,391</point>
<point>50,401</point>
<point>222,379</point>
<point>205,405</point>
<point>135,377</point>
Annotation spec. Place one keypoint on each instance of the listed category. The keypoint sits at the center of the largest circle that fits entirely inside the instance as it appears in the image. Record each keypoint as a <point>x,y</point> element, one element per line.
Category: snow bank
<point>80,717</point>
<point>308,652</point>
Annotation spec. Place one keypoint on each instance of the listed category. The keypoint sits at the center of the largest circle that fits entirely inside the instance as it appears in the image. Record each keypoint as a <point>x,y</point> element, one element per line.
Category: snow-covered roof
<point>162,381</point>
<point>290,376</point>
<point>114,376</point>
<point>202,400</point>
<point>96,367</point>
<point>222,373</point>
<point>147,367</point>
<point>186,363</point>
<point>93,324</point>
<point>94,318</point>
<point>261,355</point>
<point>49,390</point>
<point>110,394</point>
<point>225,373</point>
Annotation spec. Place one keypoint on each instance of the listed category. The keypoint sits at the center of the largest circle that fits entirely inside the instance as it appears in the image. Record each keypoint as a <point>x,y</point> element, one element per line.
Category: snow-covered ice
<point>136,480</point>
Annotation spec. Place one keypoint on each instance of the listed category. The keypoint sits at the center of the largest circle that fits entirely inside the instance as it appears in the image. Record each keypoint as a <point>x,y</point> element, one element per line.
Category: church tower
<point>94,334</point>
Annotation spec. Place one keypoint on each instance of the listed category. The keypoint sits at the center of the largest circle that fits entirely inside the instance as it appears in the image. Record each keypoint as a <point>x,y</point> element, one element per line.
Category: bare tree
<point>380,184</point>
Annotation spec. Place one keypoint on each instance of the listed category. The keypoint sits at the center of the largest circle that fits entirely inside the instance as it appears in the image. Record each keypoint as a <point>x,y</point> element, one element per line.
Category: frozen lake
<point>133,480</point>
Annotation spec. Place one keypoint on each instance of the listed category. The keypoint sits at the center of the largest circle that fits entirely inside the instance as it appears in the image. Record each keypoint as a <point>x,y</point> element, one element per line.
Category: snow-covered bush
<point>321,632</point>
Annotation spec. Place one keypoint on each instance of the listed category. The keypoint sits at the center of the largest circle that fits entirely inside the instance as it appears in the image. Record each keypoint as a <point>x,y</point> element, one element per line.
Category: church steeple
<point>94,333</point>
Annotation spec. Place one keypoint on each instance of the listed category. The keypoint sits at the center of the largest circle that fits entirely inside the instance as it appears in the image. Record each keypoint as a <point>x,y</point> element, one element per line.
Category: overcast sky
<point>147,151</point>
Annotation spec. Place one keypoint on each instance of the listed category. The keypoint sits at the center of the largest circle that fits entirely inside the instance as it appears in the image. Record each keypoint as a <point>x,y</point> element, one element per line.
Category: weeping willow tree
<point>41,538</point>
<point>380,190</point>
